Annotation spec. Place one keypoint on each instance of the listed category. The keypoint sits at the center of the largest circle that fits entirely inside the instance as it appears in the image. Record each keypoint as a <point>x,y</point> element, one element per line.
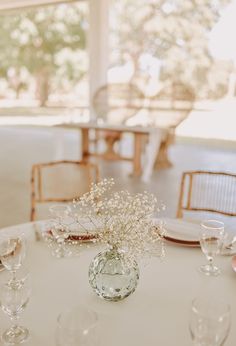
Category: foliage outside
<point>46,45</point>
<point>44,49</point>
<point>169,40</point>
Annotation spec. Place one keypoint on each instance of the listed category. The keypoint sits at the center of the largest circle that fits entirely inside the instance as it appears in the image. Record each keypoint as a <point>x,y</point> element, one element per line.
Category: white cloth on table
<point>159,305</point>
<point>156,135</point>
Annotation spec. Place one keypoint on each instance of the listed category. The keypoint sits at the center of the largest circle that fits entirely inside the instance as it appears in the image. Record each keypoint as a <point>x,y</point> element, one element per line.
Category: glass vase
<point>112,276</point>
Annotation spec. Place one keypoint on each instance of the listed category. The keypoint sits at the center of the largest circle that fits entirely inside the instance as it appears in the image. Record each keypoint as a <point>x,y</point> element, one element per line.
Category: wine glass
<point>12,254</point>
<point>13,301</point>
<point>211,239</point>
<point>209,322</point>
<point>61,227</point>
<point>77,326</point>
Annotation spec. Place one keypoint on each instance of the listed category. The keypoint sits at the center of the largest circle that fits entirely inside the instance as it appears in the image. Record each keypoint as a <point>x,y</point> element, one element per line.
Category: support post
<point>98,45</point>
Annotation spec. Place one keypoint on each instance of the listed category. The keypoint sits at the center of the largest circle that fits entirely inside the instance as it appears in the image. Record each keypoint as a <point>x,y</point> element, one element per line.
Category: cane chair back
<point>167,110</point>
<point>171,105</point>
<point>203,191</point>
<point>117,102</point>
<point>59,182</point>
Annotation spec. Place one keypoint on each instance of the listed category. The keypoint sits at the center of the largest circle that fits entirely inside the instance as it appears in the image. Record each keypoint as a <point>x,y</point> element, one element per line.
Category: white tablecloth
<point>157,313</point>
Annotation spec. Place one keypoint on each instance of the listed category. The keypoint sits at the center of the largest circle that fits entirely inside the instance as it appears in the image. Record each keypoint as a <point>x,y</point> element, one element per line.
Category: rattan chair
<point>167,110</point>
<point>59,182</point>
<point>211,192</point>
<point>117,102</point>
<point>114,104</point>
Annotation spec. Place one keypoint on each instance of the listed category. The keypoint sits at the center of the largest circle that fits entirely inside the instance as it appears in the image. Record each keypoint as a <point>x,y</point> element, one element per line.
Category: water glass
<point>13,301</point>
<point>77,326</point>
<point>211,240</point>
<point>12,254</point>
<point>61,227</point>
<point>209,322</point>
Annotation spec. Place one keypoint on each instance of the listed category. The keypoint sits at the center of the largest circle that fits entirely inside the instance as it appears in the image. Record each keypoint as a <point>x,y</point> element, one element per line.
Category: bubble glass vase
<point>112,276</point>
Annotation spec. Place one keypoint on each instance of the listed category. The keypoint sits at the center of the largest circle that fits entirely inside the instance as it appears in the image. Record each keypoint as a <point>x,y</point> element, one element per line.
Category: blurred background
<point>46,57</point>
<point>55,55</point>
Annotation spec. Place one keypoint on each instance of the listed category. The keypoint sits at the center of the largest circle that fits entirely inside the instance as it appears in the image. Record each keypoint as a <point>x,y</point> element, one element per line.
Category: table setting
<point>67,281</point>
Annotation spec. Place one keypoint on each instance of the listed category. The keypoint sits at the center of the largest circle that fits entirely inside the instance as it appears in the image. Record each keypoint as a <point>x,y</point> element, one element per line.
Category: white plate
<point>182,232</point>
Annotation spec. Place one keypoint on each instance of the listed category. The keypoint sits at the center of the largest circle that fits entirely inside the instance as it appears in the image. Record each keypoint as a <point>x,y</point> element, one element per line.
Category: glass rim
<point>6,240</point>
<point>212,224</point>
<point>69,310</point>
<point>59,206</point>
<point>15,234</point>
<point>198,302</point>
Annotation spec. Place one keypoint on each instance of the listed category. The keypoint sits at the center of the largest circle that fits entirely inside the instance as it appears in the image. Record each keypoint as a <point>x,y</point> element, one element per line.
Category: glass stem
<point>210,261</point>
<point>61,240</point>
<point>61,243</point>
<point>14,320</point>
<point>13,276</point>
<point>61,247</point>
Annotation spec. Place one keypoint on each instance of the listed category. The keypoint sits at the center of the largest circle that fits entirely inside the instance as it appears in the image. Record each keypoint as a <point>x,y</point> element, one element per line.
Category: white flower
<point>122,220</point>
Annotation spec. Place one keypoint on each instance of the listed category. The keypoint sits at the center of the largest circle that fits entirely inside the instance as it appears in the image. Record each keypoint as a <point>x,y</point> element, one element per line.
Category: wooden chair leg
<point>85,144</point>
<point>32,211</point>
<point>137,167</point>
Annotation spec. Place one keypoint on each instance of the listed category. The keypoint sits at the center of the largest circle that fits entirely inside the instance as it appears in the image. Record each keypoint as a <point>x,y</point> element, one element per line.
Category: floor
<point>20,147</point>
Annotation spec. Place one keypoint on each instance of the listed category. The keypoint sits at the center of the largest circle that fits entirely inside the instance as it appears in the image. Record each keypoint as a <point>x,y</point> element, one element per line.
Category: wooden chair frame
<point>114,91</point>
<point>36,191</point>
<point>188,207</point>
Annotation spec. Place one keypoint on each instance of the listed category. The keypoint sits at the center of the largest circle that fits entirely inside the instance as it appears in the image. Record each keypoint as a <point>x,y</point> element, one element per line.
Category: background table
<point>154,136</point>
<point>157,313</point>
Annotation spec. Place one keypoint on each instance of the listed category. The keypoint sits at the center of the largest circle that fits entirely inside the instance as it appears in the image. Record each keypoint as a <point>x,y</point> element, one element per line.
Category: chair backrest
<point>171,105</point>
<point>60,181</point>
<point>117,102</point>
<point>213,192</point>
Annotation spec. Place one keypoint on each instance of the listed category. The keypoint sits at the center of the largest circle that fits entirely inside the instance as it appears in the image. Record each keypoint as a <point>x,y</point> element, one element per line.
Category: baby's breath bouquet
<point>121,219</point>
<point>124,222</point>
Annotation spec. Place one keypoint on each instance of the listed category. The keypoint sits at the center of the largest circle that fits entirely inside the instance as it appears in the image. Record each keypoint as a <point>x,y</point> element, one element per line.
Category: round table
<point>157,313</point>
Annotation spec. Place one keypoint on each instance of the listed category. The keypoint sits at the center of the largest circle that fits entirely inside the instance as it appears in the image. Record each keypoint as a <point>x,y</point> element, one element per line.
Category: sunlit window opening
<point>45,62</point>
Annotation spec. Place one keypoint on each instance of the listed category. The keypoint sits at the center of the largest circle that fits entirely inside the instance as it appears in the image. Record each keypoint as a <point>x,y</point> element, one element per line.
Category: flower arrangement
<point>122,220</point>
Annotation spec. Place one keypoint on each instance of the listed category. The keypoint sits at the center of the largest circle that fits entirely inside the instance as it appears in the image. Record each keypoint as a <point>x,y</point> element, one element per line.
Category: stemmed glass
<point>61,227</point>
<point>211,239</point>
<point>77,326</point>
<point>209,322</point>
<point>12,254</point>
<point>13,301</point>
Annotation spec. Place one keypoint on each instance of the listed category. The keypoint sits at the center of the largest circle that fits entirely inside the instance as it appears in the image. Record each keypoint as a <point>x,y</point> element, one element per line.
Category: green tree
<point>174,31</point>
<point>36,40</point>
